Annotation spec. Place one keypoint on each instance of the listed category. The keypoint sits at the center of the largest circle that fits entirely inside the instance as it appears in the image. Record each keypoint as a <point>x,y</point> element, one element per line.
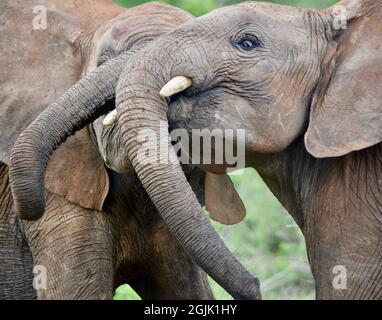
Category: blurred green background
<point>199,7</point>
<point>268,243</point>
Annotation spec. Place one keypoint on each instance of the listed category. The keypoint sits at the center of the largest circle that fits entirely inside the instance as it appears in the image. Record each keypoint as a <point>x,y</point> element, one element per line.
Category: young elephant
<point>279,73</point>
<point>100,229</point>
<point>126,234</point>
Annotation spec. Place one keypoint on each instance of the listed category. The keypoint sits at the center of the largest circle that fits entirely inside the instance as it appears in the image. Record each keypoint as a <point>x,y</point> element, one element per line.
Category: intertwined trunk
<point>79,106</point>
<point>140,108</point>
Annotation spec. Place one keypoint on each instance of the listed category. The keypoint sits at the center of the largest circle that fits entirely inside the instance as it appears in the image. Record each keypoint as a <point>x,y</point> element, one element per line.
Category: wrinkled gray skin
<point>166,185</point>
<point>301,76</point>
<point>87,253</point>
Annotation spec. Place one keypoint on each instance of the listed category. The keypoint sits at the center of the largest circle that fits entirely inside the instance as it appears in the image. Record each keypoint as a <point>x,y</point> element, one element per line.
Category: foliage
<point>199,7</point>
<point>268,242</point>
<point>297,3</point>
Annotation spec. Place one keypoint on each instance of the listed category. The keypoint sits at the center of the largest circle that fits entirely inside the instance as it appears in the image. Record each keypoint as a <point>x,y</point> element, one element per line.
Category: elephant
<point>100,228</point>
<point>88,101</point>
<point>305,85</point>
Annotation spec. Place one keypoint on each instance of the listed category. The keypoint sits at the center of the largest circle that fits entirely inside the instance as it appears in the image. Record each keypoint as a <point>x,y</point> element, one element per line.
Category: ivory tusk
<point>175,85</point>
<point>110,119</point>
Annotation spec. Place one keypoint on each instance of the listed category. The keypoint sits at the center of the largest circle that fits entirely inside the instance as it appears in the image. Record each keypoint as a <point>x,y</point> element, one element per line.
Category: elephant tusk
<point>175,85</point>
<point>110,119</point>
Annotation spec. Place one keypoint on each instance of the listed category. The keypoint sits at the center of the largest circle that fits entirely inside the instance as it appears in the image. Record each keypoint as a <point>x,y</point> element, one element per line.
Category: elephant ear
<point>41,58</point>
<point>77,172</point>
<point>222,201</point>
<point>346,113</point>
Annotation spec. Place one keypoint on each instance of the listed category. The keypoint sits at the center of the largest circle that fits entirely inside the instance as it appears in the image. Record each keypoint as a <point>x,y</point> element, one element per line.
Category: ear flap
<point>40,60</point>
<point>39,57</point>
<point>346,112</point>
<point>62,26</point>
<point>222,201</point>
<point>77,172</point>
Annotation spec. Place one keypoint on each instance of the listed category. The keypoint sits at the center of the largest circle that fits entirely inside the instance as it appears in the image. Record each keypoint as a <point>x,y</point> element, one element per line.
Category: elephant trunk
<point>142,112</point>
<point>79,106</point>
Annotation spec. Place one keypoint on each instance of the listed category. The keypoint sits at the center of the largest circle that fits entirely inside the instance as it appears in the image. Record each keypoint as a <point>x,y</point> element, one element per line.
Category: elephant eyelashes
<point>247,42</point>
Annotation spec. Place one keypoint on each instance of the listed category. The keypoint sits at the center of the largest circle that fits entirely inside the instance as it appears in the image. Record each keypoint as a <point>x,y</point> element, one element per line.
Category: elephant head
<point>260,67</point>
<point>106,53</point>
<point>276,71</point>
<point>272,70</point>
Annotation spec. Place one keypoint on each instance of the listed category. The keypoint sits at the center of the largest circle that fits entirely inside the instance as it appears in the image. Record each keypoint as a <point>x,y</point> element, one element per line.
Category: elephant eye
<point>247,42</point>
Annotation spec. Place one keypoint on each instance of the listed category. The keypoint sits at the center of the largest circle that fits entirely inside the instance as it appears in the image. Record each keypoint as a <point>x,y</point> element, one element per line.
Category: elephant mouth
<point>181,109</point>
<point>198,115</point>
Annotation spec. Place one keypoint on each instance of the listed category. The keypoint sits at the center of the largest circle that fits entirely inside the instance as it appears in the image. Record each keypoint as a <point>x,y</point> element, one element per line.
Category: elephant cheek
<point>110,148</point>
<point>118,164</point>
<point>179,112</point>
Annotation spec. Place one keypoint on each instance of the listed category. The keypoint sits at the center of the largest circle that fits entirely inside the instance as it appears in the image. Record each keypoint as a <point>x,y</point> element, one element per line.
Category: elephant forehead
<point>269,18</point>
<point>141,24</point>
<point>271,10</point>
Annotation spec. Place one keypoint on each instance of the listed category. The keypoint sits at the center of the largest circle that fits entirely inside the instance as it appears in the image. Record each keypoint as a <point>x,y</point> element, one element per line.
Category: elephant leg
<point>16,264</point>
<point>71,248</point>
<point>166,272</point>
